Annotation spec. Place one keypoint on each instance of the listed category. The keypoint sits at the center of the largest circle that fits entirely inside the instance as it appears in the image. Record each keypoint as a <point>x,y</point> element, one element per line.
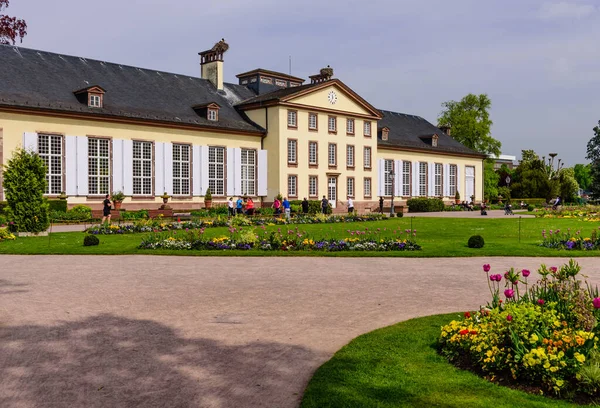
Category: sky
<point>538,60</point>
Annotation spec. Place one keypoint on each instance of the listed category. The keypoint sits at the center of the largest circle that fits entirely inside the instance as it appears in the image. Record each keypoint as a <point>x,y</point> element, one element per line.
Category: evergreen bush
<point>425,205</point>
<point>57,205</point>
<point>91,240</point>
<point>25,184</point>
<point>476,241</point>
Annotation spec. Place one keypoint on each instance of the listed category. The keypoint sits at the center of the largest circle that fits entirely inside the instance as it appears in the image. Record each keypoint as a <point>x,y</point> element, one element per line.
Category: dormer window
<point>385,132</point>
<point>95,101</point>
<point>434,141</point>
<point>92,96</point>
<point>210,111</point>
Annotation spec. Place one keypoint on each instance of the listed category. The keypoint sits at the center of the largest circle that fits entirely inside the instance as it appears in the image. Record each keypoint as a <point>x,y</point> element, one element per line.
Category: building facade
<point>103,127</point>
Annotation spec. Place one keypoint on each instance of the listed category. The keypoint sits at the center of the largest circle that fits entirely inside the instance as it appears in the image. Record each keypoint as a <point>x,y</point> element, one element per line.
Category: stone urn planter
<point>165,197</point>
<point>208,199</point>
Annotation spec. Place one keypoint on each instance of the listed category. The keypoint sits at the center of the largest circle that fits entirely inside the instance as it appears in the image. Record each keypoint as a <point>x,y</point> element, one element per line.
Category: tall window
<point>422,179</point>
<point>406,178</point>
<point>312,153</point>
<point>142,168</point>
<point>332,154</point>
<point>50,149</point>
<point>312,186</point>
<point>216,170</point>
<point>350,126</point>
<point>367,157</point>
<point>438,180</point>
<point>312,121</point>
<point>367,129</point>
<point>292,186</point>
<point>452,177</point>
<point>292,151</point>
<point>292,118</point>
<point>367,186</point>
<point>181,169</point>
<point>389,182</point>
<point>332,124</point>
<point>98,166</point>
<point>350,186</point>
<point>350,156</point>
<point>248,172</point>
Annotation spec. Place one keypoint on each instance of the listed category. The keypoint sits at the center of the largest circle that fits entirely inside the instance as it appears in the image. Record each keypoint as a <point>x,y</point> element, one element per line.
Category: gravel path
<point>151,331</point>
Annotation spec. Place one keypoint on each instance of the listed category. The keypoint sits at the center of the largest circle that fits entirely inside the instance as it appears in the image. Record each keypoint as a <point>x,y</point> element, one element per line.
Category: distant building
<point>508,160</point>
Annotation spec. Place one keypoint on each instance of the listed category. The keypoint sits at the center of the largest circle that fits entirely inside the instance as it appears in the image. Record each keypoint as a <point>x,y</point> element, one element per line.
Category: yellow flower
<point>579,357</point>
<point>534,338</point>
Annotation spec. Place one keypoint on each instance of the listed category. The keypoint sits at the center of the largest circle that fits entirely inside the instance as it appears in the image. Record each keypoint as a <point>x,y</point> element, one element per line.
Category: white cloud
<point>564,9</point>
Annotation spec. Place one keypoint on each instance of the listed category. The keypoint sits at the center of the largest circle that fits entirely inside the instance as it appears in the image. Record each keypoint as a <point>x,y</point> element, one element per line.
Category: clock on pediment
<point>332,97</point>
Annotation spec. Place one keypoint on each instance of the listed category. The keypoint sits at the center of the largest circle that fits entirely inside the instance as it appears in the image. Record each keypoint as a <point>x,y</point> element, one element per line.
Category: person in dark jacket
<point>305,206</point>
<point>324,205</point>
<point>381,205</point>
<point>106,209</point>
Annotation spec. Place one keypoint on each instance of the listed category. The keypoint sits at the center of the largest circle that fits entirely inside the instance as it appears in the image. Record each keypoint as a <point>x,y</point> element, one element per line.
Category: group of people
<point>243,205</point>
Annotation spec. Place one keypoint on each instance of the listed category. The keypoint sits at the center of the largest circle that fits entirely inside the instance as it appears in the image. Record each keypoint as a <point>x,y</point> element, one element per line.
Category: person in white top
<point>230,206</point>
<point>350,206</point>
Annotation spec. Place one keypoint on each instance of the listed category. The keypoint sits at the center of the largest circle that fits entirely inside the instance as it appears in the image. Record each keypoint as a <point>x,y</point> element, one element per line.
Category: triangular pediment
<point>332,95</point>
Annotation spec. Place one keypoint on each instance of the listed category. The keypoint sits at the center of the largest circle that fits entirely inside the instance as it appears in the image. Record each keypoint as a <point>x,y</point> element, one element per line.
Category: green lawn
<point>439,237</point>
<point>398,366</point>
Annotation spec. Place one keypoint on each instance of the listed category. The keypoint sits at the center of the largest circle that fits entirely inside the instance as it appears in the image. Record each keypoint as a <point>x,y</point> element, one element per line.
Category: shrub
<point>476,241</point>
<point>57,205</point>
<point>82,209</point>
<point>314,206</point>
<point>208,195</point>
<point>90,240</point>
<point>5,235</point>
<point>134,215</point>
<point>530,207</point>
<point>25,184</point>
<point>3,205</point>
<point>425,205</point>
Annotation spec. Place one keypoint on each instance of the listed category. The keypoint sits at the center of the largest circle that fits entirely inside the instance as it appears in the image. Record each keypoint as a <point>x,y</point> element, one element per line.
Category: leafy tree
<point>531,181</point>
<point>583,175</point>
<point>490,180</point>
<point>529,156</point>
<point>568,185</point>
<point>593,155</point>
<point>11,28</point>
<point>470,122</point>
<point>25,183</point>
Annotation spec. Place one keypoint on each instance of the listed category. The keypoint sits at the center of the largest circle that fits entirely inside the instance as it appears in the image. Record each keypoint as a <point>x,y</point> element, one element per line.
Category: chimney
<point>211,63</point>
<point>446,129</point>
<point>324,75</point>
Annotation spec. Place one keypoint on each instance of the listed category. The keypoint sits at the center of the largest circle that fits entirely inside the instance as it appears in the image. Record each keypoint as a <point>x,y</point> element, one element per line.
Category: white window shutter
<point>196,184</point>
<point>230,172</point>
<point>128,167</point>
<point>431,177</point>
<point>117,170</point>
<point>459,182</point>
<point>168,166</point>
<point>415,184</point>
<point>159,168</point>
<point>446,180</point>
<point>381,177</point>
<point>82,166</point>
<point>237,171</point>
<point>262,173</point>
<point>71,165</point>
<point>30,141</point>
<point>203,169</point>
<point>398,178</point>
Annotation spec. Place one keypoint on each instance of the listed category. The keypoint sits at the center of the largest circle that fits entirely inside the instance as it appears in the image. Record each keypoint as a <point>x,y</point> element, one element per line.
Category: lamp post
<point>391,175</point>
<point>507,179</point>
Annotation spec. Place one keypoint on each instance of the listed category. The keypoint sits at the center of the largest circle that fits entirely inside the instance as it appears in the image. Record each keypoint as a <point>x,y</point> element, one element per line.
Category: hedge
<point>425,205</point>
<point>58,205</point>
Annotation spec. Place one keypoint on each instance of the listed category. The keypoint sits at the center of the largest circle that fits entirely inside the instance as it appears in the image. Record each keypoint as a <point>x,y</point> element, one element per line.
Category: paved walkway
<point>152,331</point>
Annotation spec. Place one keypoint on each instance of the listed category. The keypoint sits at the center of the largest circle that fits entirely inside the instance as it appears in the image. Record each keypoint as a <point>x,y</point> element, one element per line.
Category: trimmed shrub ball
<point>476,241</point>
<point>530,207</point>
<point>90,240</point>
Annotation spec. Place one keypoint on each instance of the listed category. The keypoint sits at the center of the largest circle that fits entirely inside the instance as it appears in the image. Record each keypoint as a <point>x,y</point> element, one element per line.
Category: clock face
<point>332,97</point>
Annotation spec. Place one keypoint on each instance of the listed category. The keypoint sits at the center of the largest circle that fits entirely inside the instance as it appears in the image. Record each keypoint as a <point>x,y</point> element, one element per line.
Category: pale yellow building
<point>104,127</point>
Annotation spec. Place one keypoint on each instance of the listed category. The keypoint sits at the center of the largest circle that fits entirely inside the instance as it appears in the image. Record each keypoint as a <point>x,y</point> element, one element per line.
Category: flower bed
<point>587,213</point>
<point>159,224</point>
<point>541,337</point>
<point>570,241</point>
<point>5,235</point>
<point>290,240</point>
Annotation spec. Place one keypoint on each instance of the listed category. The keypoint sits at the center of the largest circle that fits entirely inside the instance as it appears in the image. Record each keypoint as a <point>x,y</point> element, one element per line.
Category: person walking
<point>286,208</point>
<point>250,206</point>
<point>230,207</point>
<point>381,205</point>
<point>305,206</point>
<point>324,205</point>
<point>277,206</point>
<point>350,206</point>
<point>106,209</point>
<point>239,205</point>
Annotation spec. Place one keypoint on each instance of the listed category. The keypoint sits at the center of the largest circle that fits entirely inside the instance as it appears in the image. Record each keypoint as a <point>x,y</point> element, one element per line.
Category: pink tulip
<point>509,318</point>
<point>509,293</point>
<point>596,303</point>
<point>541,302</point>
<point>525,273</point>
<point>486,267</point>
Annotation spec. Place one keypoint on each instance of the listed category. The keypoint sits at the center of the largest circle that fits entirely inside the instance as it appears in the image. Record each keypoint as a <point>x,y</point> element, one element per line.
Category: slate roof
<point>410,131</point>
<point>275,95</point>
<point>45,80</point>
